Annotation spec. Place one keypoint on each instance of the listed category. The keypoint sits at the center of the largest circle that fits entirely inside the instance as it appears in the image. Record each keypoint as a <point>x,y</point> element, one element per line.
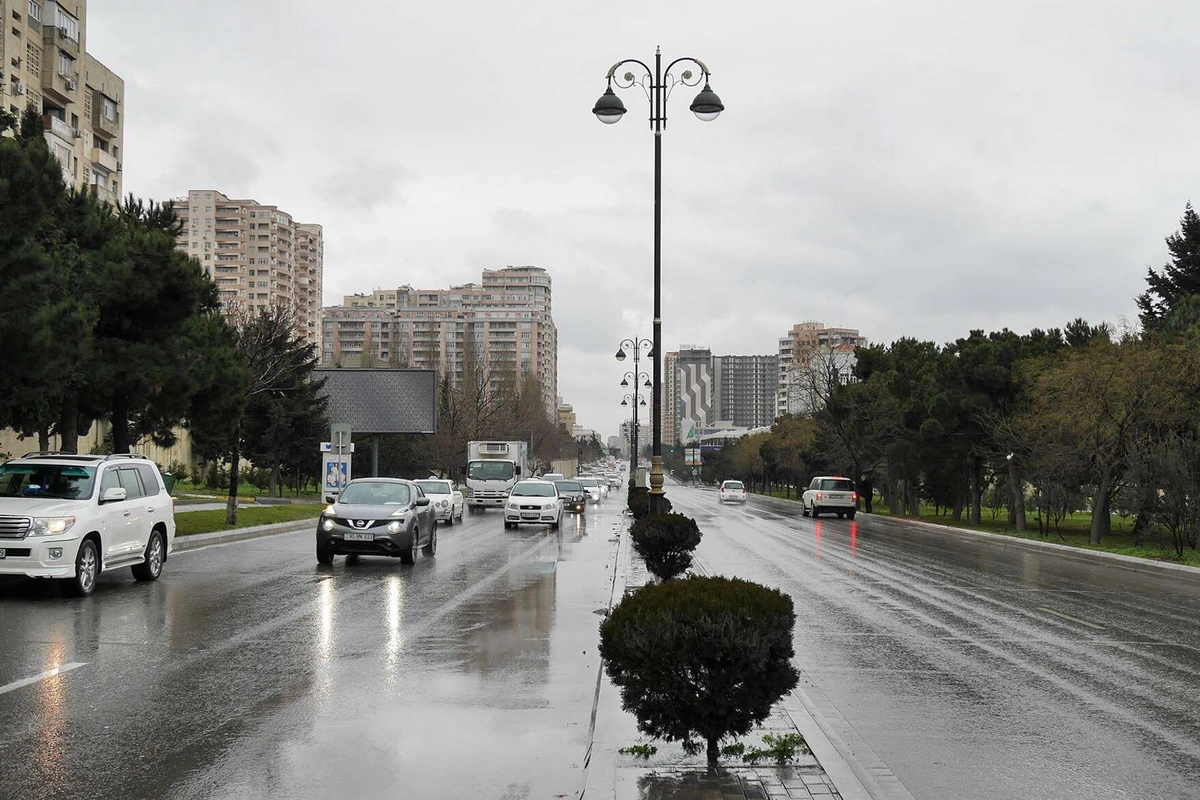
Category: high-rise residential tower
<point>44,62</point>
<point>257,254</point>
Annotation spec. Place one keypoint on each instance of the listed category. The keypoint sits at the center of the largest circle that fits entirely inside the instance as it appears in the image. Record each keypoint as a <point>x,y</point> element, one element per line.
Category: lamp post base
<point>657,496</point>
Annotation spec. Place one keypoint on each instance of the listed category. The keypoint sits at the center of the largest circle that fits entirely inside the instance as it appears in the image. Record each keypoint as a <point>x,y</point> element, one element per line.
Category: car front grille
<point>14,527</point>
<point>355,524</point>
<point>531,508</point>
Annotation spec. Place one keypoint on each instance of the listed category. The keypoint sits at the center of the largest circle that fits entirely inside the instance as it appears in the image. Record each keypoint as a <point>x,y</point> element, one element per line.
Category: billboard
<point>381,400</point>
<point>691,456</point>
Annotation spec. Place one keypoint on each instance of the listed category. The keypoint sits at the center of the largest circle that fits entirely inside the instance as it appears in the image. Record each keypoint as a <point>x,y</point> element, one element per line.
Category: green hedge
<point>700,659</point>
<point>665,542</point>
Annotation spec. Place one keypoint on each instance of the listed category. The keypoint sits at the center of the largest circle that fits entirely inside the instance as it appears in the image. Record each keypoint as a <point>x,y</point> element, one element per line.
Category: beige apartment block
<point>506,322</point>
<point>358,336</point>
<point>807,345</point>
<point>257,254</point>
<point>44,63</point>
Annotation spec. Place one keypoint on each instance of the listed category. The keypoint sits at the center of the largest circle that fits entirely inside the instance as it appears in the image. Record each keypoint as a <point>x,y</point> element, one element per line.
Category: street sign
<point>336,470</point>
<point>691,456</point>
<point>339,437</point>
<point>327,447</point>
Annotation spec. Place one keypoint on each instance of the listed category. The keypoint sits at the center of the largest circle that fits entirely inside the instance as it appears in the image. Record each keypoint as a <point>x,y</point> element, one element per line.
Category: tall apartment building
<point>44,62</point>
<point>745,389</point>
<point>257,254</point>
<point>566,416</point>
<point>670,404</point>
<point>811,358</point>
<point>506,322</point>
<point>358,336</point>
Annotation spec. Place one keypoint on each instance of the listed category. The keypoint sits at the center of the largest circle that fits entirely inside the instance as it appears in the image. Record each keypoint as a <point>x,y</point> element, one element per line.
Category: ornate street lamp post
<point>658,83</point>
<point>636,345</point>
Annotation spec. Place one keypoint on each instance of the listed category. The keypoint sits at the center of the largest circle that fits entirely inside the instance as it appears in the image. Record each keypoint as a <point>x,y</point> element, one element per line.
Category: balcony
<point>58,127</point>
<point>104,159</point>
<point>60,88</point>
<point>103,126</point>
<point>57,37</point>
<point>102,193</point>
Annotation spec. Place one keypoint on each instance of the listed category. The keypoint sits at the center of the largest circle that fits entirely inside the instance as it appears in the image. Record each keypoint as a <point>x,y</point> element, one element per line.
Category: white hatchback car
<point>830,494</point>
<point>70,517</point>
<point>732,491</point>
<point>447,501</point>
<point>533,502</point>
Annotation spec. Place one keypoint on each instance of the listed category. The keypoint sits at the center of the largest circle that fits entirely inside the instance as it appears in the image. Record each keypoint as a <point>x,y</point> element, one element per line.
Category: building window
<point>35,10</point>
<point>67,23</point>
<point>108,108</point>
<point>66,64</point>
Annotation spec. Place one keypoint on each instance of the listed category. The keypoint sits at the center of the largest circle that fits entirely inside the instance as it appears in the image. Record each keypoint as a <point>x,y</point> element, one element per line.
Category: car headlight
<point>442,504</point>
<point>514,506</point>
<point>51,526</point>
<point>394,527</point>
<point>327,525</point>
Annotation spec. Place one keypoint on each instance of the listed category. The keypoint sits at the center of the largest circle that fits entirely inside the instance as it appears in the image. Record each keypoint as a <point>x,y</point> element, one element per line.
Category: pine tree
<point>1179,279</point>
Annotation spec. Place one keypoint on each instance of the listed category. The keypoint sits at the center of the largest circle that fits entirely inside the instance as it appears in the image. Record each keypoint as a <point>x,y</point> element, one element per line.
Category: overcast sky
<point>910,169</point>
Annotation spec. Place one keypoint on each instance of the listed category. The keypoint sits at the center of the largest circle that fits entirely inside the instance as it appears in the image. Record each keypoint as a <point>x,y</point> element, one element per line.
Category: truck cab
<point>492,470</point>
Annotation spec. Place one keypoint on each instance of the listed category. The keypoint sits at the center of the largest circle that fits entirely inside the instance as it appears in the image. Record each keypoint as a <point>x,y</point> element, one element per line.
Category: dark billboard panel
<point>382,400</point>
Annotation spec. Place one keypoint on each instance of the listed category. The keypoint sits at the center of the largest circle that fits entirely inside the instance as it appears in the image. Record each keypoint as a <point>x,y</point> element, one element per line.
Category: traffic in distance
<point>68,518</point>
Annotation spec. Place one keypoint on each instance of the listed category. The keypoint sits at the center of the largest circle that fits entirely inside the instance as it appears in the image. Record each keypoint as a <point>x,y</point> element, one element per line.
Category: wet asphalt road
<point>248,670</point>
<point>976,672</point>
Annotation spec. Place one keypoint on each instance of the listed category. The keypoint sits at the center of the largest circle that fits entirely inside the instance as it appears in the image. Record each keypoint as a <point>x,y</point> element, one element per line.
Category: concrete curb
<point>185,543</point>
<point>1133,563</point>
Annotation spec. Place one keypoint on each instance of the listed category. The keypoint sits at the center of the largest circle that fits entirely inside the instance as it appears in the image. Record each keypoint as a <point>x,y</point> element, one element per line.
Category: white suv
<point>732,491</point>
<point>830,493</point>
<point>71,517</point>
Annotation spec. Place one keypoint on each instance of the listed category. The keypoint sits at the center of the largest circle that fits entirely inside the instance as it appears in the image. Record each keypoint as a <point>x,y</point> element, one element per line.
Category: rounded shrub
<point>665,542</point>
<point>700,659</point>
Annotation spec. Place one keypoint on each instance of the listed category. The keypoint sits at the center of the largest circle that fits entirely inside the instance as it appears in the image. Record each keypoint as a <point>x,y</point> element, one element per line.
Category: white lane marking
<point>1068,617</point>
<point>50,673</point>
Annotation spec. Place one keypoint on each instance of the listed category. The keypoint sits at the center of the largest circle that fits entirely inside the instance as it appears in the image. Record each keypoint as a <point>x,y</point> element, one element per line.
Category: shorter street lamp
<point>636,345</point>
<point>635,424</point>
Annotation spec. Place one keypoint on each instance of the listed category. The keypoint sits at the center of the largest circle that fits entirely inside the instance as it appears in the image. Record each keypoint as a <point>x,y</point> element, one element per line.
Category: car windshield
<point>490,470</point>
<point>434,487</point>
<point>835,484</point>
<point>534,490</point>
<point>569,486</point>
<point>591,482</point>
<point>375,493</point>
<point>734,485</point>
<point>55,481</point>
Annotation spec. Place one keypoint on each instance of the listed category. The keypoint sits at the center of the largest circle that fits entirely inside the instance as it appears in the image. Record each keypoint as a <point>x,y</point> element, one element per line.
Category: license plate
<point>359,537</point>
<point>529,516</point>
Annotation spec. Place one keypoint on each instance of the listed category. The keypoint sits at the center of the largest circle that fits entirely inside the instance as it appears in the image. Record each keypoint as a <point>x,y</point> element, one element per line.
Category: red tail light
<point>818,495</point>
<point>854,496</point>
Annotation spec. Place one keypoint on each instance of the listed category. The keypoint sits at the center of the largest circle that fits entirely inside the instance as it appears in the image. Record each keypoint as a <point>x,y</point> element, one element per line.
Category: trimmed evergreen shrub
<point>638,502</point>
<point>665,542</point>
<point>700,659</point>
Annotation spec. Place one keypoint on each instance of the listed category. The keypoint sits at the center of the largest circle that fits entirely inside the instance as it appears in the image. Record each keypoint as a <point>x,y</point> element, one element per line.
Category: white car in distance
<point>444,497</point>
<point>732,492</point>
<point>593,489</point>
<point>533,502</point>
<point>829,494</point>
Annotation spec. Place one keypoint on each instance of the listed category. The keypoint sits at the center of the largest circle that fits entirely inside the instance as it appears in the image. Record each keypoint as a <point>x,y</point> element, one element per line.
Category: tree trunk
<point>44,440</point>
<point>277,481</point>
<point>1016,487</point>
<point>271,482</point>
<point>976,491</point>
<point>1101,517</point>
<point>68,425</point>
<point>914,500</point>
<point>956,513</point>
<point>120,424</point>
<point>235,459</point>
<point>714,752</point>
<point>1141,528</point>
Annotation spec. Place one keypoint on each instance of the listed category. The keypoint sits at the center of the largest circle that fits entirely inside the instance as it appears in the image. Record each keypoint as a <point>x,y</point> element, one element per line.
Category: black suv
<point>574,496</point>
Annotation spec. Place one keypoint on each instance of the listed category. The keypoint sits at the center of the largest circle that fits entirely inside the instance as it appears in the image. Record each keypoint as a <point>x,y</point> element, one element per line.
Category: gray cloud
<point>906,168</point>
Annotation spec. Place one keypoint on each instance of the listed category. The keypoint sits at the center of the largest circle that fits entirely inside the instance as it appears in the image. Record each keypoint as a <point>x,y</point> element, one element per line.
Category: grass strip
<point>195,522</point>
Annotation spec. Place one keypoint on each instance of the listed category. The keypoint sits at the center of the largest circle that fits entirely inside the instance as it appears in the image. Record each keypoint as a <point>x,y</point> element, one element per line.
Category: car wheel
<point>409,556</point>
<point>87,567</point>
<point>151,566</point>
<point>325,555</point>
<point>803,510</point>
<point>554,525</point>
<point>430,549</point>
<point>849,515</point>
<point>353,558</point>
<point>450,519</point>
<point>816,511</point>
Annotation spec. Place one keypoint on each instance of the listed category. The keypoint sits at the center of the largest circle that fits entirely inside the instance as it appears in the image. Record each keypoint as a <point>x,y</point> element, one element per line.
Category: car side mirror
<point>113,495</point>
<point>518,468</point>
<point>422,502</point>
<point>463,469</point>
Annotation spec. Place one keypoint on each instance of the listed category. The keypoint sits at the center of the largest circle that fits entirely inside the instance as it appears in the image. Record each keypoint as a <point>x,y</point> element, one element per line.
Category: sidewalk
<point>672,774</point>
